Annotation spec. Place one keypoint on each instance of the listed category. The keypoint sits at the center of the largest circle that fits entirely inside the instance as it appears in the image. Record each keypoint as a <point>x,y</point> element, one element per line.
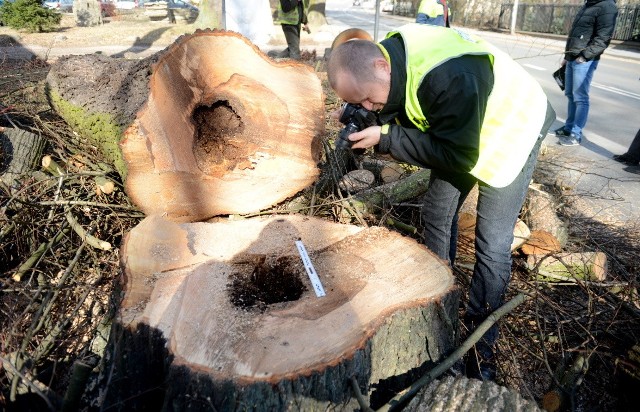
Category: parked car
<point>63,6</point>
<point>171,9</point>
<point>126,4</point>
<point>386,5</point>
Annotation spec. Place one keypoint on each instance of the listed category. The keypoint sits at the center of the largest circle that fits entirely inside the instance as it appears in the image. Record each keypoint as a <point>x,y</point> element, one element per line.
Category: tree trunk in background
<point>317,15</point>
<point>223,316</point>
<point>87,13</point>
<point>210,16</point>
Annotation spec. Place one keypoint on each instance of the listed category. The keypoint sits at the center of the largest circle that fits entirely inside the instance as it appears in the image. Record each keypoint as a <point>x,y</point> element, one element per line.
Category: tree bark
<point>590,266</point>
<point>541,214</point>
<point>87,13</point>
<point>20,152</point>
<point>210,15</point>
<point>205,128</point>
<point>223,315</point>
<point>462,394</point>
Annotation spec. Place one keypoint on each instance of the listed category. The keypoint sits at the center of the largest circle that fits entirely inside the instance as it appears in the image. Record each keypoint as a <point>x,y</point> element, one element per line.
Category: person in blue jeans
<point>434,12</point>
<point>588,38</point>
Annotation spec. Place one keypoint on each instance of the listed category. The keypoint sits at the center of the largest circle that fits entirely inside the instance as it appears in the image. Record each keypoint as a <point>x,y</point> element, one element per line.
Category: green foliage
<point>29,15</point>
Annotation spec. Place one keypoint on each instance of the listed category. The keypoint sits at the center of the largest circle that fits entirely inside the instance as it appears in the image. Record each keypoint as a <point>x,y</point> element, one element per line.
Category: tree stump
<point>20,152</point>
<point>222,315</point>
<point>209,126</point>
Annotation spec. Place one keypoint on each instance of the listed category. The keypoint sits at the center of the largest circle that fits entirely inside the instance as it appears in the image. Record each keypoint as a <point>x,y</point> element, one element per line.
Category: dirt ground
<point>118,30</point>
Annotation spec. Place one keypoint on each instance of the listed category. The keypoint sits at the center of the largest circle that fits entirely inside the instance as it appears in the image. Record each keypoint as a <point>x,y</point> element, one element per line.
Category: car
<point>63,6</point>
<point>386,5</point>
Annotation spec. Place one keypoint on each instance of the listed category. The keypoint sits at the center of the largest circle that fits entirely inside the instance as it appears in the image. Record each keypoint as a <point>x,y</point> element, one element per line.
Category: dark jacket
<point>591,30</point>
<point>454,96</point>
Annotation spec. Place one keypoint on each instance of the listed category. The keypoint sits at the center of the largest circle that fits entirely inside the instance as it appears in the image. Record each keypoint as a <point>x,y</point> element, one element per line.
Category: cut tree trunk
<point>462,394</point>
<point>20,152</point>
<point>591,266</point>
<point>222,315</point>
<point>541,243</point>
<point>541,214</point>
<point>209,126</point>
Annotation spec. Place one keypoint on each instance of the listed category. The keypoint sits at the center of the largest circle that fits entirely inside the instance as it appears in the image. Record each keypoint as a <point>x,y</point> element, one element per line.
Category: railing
<point>557,19</point>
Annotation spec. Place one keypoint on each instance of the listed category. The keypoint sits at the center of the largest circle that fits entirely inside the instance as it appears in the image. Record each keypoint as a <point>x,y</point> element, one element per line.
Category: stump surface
<point>234,303</point>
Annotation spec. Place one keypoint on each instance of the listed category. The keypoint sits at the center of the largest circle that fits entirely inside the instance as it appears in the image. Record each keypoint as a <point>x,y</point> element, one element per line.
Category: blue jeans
<point>578,78</point>
<point>434,21</point>
<point>497,212</point>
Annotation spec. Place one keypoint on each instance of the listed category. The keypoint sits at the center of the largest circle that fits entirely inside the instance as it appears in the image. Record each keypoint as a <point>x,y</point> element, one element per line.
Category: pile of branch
<point>62,214</point>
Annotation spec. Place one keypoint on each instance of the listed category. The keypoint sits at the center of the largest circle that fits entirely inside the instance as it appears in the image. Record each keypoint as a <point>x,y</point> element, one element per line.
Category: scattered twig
<point>402,398</point>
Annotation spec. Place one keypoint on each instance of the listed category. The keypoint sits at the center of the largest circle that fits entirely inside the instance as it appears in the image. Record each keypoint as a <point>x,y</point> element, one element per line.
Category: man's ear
<point>382,64</point>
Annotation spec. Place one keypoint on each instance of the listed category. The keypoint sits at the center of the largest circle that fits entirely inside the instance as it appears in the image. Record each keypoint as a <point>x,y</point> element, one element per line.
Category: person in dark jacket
<point>456,109</point>
<point>588,38</point>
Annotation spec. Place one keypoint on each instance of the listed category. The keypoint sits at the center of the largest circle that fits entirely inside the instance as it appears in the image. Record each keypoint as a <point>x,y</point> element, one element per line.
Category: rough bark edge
<point>141,373</point>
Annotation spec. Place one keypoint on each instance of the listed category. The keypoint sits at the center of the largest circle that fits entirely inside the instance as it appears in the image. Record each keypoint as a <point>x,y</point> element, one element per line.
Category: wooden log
<point>222,315</point>
<point>356,181</point>
<point>387,171</point>
<point>569,379</point>
<point>590,266</point>
<point>453,394</point>
<point>104,185</point>
<point>51,166</point>
<point>368,202</point>
<point>467,234</point>
<point>207,127</point>
<point>540,213</point>
<point>540,242</point>
<point>20,152</point>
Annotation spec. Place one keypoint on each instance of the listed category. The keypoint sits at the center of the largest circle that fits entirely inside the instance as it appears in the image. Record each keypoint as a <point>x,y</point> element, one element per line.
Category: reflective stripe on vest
<point>515,111</point>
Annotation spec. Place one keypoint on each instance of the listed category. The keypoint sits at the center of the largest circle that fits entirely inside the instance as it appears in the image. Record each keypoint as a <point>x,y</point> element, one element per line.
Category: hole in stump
<point>266,280</point>
<point>218,145</point>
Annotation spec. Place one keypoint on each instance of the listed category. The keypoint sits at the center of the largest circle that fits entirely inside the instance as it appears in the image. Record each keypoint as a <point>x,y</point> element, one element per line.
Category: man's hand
<point>366,138</point>
<point>306,28</point>
<point>580,59</point>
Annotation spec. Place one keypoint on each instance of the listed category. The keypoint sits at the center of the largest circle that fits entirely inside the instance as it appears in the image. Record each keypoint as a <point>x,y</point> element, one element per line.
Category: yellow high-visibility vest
<point>515,111</point>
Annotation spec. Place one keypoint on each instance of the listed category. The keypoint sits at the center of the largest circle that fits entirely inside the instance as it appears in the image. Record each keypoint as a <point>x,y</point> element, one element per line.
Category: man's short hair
<point>354,57</point>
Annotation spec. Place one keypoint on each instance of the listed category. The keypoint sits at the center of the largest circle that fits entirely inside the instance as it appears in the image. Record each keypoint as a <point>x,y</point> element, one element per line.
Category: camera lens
<point>343,141</point>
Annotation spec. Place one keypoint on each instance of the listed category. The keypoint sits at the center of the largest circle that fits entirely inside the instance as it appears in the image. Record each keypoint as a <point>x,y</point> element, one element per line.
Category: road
<point>615,92</point>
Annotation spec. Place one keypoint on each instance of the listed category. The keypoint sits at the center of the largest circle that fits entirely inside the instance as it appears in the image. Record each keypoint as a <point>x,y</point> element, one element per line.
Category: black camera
<point>355,118</point>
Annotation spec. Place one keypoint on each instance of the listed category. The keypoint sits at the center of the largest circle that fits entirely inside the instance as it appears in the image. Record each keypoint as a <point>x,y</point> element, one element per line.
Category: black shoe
<point>626,159</point>
<point>571,140</point>
<point>278,55</point>
<point>481,363</point>
<point>562,132</point>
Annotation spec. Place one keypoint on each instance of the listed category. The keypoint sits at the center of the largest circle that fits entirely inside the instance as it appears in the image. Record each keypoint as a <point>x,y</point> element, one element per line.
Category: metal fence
<point>557,19</point>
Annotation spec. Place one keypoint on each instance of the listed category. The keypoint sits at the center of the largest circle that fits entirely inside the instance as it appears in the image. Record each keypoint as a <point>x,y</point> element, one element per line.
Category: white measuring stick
<point>313,276</point>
